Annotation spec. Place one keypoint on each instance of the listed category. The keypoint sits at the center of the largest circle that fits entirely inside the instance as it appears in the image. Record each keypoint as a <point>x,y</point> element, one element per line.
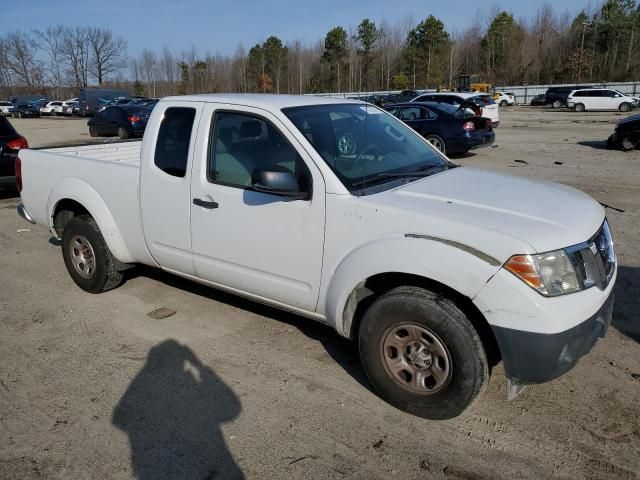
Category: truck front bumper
<point>530,357</point>
<point>541,338</point>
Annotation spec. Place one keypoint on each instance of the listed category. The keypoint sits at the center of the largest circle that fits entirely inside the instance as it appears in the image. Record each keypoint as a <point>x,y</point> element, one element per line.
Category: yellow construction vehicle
<point>472,83</point>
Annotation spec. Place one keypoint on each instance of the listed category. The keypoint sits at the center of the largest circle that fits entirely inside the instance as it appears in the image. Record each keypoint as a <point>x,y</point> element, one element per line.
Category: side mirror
<point>277,181</point>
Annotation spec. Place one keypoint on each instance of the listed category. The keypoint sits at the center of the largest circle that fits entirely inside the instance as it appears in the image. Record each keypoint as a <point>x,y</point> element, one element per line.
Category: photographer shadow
<point>172,412</point>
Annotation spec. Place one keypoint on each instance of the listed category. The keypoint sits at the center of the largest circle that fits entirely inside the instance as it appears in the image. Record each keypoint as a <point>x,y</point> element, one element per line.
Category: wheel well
<point>65,210</point>
<point>368,291</point>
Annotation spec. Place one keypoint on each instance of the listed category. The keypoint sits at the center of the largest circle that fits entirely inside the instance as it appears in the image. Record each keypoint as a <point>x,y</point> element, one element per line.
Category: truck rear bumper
<point>24,214</point>
<point>531,357</point>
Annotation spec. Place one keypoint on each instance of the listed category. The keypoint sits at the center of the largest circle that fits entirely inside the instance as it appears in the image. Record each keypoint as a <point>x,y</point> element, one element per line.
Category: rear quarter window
<point>174,136</point>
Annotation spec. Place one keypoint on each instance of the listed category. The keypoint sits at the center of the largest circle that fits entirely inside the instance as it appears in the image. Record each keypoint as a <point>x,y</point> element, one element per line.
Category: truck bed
<point>103,178</point>
<point>124,152</point>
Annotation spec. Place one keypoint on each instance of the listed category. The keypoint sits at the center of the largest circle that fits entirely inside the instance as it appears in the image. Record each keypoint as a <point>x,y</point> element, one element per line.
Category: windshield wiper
<point>422,172</point>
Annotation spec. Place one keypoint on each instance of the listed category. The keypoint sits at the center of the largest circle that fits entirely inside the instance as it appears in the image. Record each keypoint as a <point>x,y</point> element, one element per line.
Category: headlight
<point>550,273</point>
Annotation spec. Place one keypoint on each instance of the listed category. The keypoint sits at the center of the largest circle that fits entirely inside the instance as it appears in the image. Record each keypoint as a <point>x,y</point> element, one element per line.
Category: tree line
<point>546,48</point>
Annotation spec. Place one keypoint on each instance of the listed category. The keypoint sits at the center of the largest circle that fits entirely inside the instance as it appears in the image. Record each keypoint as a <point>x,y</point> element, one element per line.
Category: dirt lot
<point>93,387</point>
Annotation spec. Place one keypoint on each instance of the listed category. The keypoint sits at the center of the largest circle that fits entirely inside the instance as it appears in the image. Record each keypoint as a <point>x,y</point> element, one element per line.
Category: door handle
<point>204,203</point>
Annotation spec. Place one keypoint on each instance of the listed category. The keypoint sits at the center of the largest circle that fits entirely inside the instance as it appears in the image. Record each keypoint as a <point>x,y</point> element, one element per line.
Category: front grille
<point>595,260</point>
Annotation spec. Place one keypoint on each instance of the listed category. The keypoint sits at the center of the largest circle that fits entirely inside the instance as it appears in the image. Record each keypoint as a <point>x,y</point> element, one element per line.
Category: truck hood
<point>545,215</point>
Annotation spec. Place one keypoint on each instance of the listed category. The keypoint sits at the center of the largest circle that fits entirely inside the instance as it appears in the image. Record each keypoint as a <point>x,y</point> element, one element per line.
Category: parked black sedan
<point>626,135</point>
<point>539,100</point>
<point>125,121</point>
<point>10,143</point>
<point>452,129</point>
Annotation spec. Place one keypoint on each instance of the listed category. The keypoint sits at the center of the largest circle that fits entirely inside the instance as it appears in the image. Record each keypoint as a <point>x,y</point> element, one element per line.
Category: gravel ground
<point>94,387</point>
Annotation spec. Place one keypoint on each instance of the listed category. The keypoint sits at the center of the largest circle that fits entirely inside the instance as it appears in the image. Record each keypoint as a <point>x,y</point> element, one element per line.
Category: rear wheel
<point>87,257</point>
<point>504,103</point>
<point>625,107</point>
<point>437,142</point>
<point>422,354</point>
<point>579,107</point>
<point>556,104</point>
<point>123,133</point>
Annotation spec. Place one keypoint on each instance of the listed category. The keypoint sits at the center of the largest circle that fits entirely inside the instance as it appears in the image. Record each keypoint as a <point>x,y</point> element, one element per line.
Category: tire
<point>625,107</point>
<point>93,132</point>
<point>437,141</point>
<point>556,104</point>
<point>504,103</point>
<point>579,107</point>
<point>84,246</point>
<point>123,133</point>
<point>435,329</point>
<point>626,144</point>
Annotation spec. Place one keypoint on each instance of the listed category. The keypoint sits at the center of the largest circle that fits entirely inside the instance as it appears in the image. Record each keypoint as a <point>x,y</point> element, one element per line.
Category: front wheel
<point>422,354</point>
<point>556,104</point>
<point>437,142</point>
<point>123,133</point>
<point>625,107</point>
<point>580,107</point>
<point>87,257</point>
<point>504,103</point>
<point>93,132</point>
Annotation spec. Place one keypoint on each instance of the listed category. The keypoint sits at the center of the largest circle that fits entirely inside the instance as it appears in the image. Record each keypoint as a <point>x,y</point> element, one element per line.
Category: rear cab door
<point>265,245</point>
<point>165,184</point>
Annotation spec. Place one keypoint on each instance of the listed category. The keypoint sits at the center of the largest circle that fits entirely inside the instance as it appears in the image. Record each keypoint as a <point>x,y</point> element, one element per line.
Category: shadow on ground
<point>344,352</point>
<point>172,412</point>
<point>595,144</point>
<point>626,308</point>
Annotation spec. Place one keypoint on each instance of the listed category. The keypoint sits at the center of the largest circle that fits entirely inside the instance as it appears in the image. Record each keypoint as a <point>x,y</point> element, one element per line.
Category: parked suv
<point>600,99</point>
<point>10,143</point>
<point>557,96</point>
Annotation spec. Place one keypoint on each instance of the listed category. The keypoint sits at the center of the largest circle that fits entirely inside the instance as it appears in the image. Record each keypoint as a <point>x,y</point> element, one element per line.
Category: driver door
<point>266,245</point>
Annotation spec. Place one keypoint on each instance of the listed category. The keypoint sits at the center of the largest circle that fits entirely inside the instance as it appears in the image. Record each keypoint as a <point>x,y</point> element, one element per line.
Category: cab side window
<point>174,137</point>
<point>243,143</point>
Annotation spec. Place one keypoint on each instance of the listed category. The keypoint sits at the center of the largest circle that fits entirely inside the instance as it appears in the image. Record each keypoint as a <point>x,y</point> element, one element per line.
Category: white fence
<point>523,93</point>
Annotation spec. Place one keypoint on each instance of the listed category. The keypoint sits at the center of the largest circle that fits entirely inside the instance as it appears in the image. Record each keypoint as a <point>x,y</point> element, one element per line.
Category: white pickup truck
<point>337,211</point>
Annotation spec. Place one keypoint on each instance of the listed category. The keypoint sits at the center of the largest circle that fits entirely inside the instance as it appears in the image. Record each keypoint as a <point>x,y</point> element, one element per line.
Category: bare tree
<point>75,52</point>
<point>108,54</point>
<point>21,59</point>
<point>50,41</point>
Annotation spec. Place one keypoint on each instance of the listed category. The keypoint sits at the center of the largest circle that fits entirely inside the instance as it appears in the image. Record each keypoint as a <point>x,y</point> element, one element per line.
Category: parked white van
<point>600,99</point>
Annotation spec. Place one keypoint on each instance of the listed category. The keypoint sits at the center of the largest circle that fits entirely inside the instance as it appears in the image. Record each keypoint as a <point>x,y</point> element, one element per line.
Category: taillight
<point>18,169</point>
<point>134,118</point>
<point>469,126</point>
<point>18,143</point>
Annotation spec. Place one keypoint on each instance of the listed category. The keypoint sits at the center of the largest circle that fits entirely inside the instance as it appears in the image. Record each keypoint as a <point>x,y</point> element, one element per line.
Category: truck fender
<point>78,190</point>
<point>459,267</point>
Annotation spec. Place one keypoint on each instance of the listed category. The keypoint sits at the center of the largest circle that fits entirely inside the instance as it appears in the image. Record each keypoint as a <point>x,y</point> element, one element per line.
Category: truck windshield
<point>365,146</point>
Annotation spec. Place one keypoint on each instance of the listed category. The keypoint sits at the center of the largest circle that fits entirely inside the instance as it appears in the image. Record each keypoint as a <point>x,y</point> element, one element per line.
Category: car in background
<point>539,100</point>
<point>626,135</point>
<point>504,99</point>
<point>70,108</point>
<point>6,108</point>
<point>557,96</point>
<point>485,106</point>
<point>25,110</point>
<point>10,143</point>
<point>600,99</point>
<point>51,108</point>
<point>449,128</point>
<point>403,96</point>
<point>90,99</point>
<point>125,121</point>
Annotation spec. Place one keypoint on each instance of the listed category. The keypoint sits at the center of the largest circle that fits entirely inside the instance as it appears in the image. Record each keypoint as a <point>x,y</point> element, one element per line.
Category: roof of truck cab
<point>263,100</point>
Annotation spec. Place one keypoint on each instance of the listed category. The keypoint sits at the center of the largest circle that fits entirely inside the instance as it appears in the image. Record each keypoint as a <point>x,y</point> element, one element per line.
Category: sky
<point>219,25</point>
